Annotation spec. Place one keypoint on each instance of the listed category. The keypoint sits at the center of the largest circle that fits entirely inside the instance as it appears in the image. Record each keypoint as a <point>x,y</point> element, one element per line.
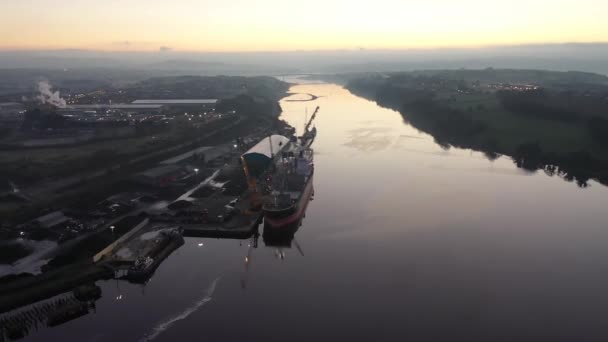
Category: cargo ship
<point>287,206</point>
<point>290,182</point>
<point>279,173</point>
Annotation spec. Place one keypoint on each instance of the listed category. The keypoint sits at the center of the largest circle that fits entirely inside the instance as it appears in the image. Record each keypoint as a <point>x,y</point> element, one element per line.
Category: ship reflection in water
<point>279,235</point>
<point>283,236</point>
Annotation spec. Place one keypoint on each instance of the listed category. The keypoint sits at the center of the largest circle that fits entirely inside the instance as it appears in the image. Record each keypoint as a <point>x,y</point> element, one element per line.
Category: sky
<point>286,25</point>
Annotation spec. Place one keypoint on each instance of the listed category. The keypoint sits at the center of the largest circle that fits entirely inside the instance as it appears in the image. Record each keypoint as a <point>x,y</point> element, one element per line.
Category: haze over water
<point>404,241</point>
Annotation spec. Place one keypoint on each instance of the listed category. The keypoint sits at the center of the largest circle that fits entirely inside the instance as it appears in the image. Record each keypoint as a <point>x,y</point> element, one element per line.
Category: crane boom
<point>307,127</point>
<point>252,185</point>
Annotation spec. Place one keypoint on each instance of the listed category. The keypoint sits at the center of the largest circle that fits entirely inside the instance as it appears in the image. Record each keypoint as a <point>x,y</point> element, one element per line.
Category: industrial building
<point>199,103</point>
<point>161,176</point>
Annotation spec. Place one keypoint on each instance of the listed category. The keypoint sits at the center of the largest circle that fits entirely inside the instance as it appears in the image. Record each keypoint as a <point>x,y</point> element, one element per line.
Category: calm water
<point>403,241</point>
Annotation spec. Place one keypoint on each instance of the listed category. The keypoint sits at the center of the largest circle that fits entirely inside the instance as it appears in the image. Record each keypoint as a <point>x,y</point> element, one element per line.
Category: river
<point>404,240</point>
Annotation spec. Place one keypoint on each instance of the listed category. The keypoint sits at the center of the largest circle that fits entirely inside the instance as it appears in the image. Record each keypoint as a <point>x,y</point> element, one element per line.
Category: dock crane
<point>309,135</point>
<point>251,175</point>
<point>252,187</point>
<point>314,115</point>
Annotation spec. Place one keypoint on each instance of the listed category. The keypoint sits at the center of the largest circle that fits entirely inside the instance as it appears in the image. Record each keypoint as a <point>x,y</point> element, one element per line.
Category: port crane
<point>252,186</point>
<point>312,118</point>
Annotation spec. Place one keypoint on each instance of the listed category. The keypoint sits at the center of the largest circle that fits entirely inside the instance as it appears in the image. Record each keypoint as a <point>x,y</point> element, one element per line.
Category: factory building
<point>161,176</point>
<point>174,103</point>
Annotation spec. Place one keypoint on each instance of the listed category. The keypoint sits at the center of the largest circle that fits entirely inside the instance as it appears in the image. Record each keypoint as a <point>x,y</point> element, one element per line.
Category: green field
<point>547,120</point>
<point>509,130</point>
<point>30,164</point>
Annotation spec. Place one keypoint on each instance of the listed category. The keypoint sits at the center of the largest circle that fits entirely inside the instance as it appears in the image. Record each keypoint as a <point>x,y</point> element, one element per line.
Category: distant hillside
<point>554,121</point>
<point>559,57</point>
<point>208,87</point>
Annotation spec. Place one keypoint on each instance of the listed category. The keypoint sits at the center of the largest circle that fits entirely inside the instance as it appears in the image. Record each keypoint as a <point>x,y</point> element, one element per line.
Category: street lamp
<point>196,171</point>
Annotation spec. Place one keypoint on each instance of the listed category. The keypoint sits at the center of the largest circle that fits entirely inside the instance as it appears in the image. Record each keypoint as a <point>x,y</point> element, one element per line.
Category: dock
<point>241,232</point>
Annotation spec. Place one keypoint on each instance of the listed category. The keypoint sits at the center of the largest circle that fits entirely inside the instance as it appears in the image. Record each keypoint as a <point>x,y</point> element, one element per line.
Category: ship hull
<point>283,218</point>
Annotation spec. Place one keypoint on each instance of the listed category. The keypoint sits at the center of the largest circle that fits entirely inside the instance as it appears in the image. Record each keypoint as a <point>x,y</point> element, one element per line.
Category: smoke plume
<point>48,96</point>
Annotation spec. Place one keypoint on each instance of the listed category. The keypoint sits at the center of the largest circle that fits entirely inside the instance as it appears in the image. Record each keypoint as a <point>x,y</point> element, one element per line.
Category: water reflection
<point>73,305</point>
<point>49,312</point>
<point>370,139</point>
<point>278,238</point>
<point>40,314</point>
<point>168,323</point>
<point>579,166</point>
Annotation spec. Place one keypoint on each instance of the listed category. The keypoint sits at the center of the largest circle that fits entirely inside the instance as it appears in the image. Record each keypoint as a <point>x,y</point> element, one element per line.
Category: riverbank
<point>530,123</point>
<point>30,289</point>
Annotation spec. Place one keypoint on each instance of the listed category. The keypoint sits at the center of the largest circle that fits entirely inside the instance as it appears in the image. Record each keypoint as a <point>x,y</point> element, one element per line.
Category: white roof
<point>264,147</point>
